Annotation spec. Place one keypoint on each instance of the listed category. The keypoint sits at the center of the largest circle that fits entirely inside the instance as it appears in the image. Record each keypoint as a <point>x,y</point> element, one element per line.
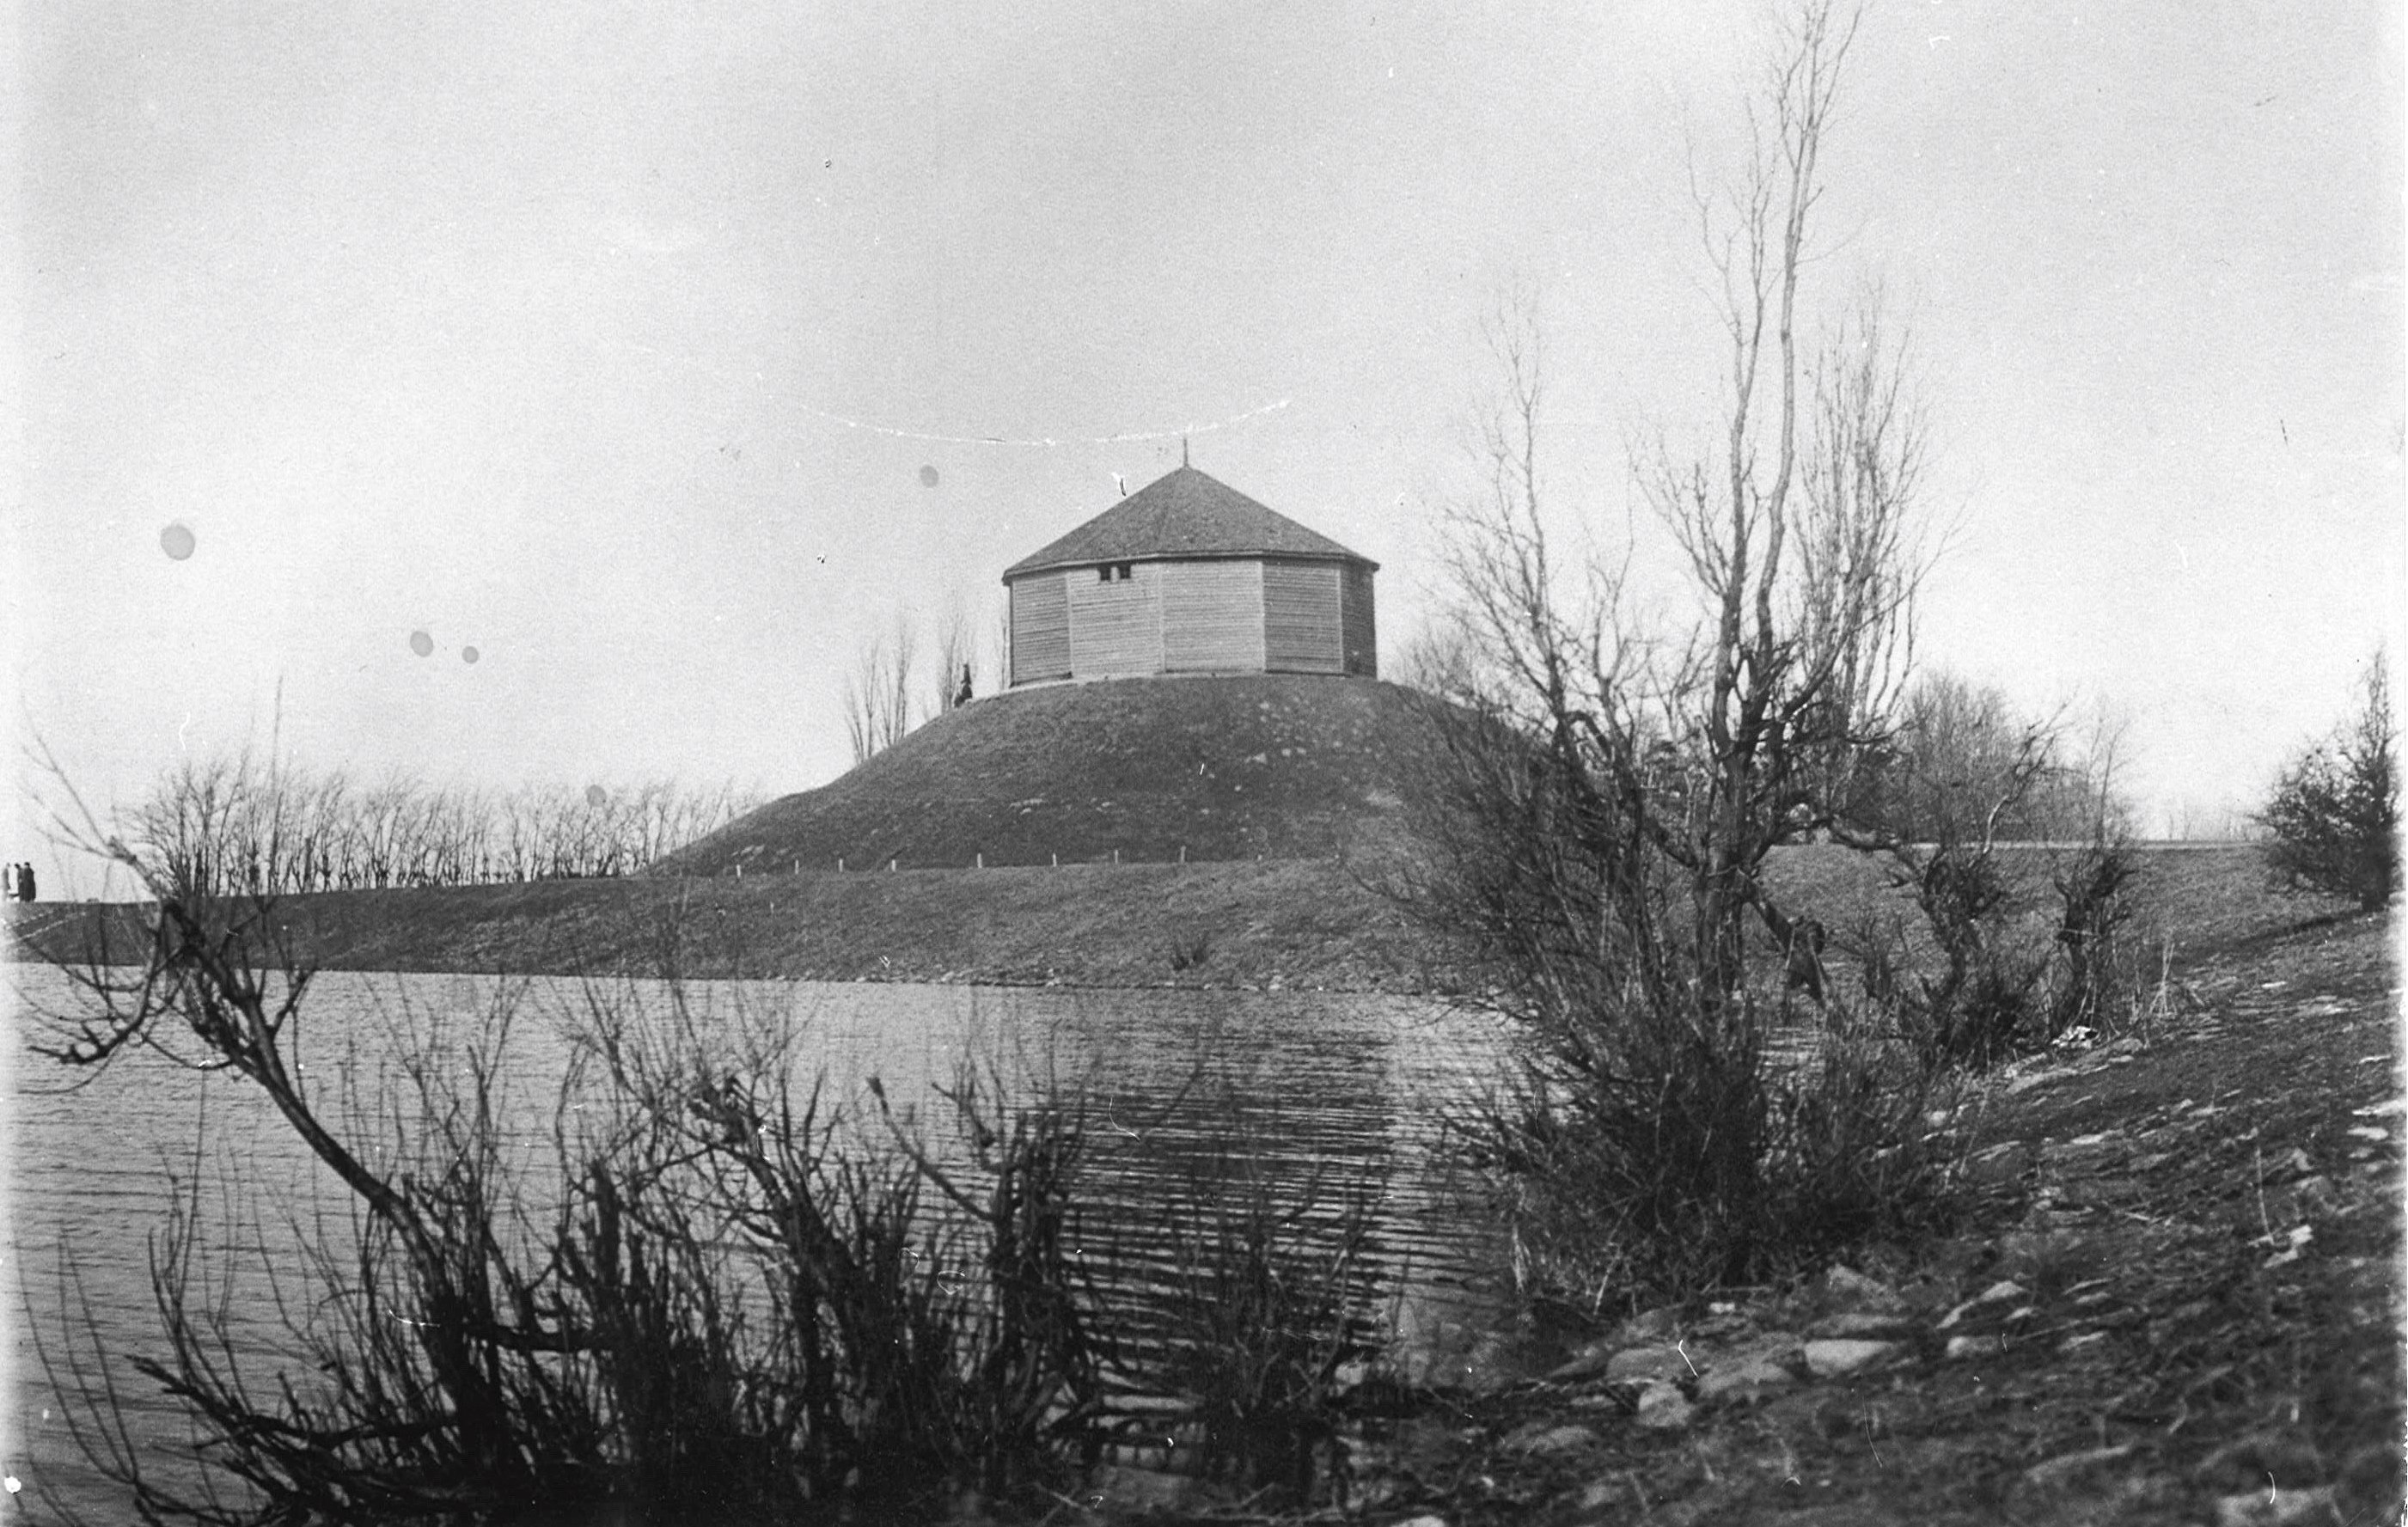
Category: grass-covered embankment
<point>1296,923</point>
<point>1138,770</point>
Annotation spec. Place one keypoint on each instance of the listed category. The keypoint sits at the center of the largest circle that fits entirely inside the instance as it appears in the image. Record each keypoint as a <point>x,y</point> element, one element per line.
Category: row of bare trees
<point>897,682</point>
<point>721,1289</point>
<point>237,824</point>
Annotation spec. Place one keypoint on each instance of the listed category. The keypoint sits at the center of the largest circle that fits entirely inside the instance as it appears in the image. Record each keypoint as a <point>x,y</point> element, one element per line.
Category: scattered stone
<point>1425,1519</point>
<point>1836,1359</point>
<point>2300,1236</point>
<point>2066,1468</point>
<point>2002,1162</point>
<point>1845,1289</point>
<point>2027,1249</point>
<point>1780,1348</point>
<point>2314,1192</point>
<point>1662,1407</point>
<point>2278,1508</point>
<point>2080,1150</point>
<point>1587,1363</point>
<point>2150,1162</point>
<point>1648,1327</point>
<point>2092,1488</point>
<point>2080,1340</point>
<point>1998,1295</point>
<point>1857,1325</point>
<point>1541,1440</point>
<point>1744,1383</point>
<point>2282,1457</point>
<point>1638,1363</point>
<point>1960,1348</point>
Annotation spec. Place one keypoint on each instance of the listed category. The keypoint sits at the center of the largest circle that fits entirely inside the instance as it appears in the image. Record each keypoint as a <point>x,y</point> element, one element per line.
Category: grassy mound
<point>1144,770</point>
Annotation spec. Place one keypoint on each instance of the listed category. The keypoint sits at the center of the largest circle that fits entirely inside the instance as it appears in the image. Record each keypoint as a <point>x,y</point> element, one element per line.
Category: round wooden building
<point>1189,576</point>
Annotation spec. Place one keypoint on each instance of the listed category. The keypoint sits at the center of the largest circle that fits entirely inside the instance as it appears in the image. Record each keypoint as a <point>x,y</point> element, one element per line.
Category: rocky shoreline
<point>2174,1297</point>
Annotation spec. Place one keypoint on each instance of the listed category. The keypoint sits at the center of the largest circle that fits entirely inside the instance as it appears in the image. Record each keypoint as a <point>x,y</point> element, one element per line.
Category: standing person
<point>22,881</point>
<point>28,882</point>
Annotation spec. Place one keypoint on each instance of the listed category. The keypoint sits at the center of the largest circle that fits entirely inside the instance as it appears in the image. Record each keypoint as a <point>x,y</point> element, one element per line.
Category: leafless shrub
<point>715,1293</point>
<point>1610,794</point>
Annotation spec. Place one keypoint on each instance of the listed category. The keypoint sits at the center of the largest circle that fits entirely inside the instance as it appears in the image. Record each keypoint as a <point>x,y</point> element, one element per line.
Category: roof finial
<point>1182,450</point>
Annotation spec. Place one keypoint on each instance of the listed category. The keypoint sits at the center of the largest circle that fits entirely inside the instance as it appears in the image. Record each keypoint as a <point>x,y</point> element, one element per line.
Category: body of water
<point>1336,1097</point>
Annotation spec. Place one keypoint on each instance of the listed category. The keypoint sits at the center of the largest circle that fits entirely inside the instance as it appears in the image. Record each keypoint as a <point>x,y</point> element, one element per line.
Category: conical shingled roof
<point>1185,514</point>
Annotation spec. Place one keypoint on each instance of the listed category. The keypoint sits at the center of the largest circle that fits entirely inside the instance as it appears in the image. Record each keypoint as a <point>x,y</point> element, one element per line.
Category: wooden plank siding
<point>1212,617</point>
<point>1303,631</point>
<point>1200,616</point>
<point>1115,626</point>
<point>1040,629</point>
<point>1359,617</point>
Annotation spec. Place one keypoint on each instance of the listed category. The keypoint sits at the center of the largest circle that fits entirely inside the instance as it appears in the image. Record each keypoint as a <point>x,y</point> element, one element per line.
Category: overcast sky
<point>662,354</point>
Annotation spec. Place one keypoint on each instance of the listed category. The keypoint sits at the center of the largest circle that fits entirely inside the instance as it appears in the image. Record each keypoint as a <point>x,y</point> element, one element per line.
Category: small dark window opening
<point>1115,572</point>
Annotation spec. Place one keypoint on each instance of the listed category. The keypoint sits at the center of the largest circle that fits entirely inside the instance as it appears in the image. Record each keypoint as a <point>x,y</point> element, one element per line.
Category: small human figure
<point>964,697</point>
<point>25,882</point>
<point>1804,959</point>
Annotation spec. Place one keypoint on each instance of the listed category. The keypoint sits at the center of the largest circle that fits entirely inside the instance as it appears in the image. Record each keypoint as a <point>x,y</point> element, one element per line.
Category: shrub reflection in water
<point>668,1263</point>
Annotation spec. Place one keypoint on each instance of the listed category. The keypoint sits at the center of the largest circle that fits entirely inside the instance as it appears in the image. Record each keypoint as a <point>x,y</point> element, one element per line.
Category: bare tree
<point>878,692</point>
<point>1797,527</point>
<point>957,655</point>
<point>1616,790</point>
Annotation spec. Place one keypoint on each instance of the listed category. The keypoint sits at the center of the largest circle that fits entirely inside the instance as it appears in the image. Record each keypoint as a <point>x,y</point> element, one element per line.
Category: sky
<point>664,356</point>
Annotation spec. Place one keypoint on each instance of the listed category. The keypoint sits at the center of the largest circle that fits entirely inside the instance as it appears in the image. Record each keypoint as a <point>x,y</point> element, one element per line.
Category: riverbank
<point>1251,925</point>
<point>2172,1293</point>
<point>1273,924</point>
<point>2174,1296</point>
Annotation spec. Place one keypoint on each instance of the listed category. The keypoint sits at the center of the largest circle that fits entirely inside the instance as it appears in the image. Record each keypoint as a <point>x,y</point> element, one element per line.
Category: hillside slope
<point>1297,925</point>
<point>1150,770</point>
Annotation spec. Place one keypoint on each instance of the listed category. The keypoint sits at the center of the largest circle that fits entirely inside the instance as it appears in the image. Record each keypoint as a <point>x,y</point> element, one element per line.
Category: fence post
<point>981,860</point>
<point>840,864</point>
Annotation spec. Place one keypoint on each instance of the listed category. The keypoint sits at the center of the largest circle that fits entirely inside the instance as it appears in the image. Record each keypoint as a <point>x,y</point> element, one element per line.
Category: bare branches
<point>242,825</point>
<point>877,691</point>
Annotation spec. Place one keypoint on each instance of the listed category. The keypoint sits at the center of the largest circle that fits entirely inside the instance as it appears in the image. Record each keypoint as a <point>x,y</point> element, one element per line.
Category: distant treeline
<point>235,825</point>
